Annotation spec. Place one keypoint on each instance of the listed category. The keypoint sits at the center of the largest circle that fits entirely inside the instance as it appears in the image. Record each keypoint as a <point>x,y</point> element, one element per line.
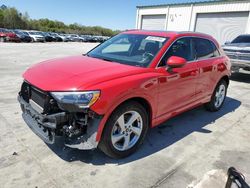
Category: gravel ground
<point>194,149</point>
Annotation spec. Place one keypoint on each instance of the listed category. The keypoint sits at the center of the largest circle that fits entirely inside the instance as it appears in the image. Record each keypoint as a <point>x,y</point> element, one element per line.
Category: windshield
<point>242,39</point>
<point>130,49</point>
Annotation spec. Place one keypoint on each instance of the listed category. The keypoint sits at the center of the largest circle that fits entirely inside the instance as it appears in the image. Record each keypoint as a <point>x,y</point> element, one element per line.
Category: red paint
<point>9,36</point>
<point>167,92</point>
<point>175,62</point>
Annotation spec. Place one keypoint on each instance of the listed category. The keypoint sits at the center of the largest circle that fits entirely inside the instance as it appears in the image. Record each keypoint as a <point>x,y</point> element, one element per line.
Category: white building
<point>222,20</point>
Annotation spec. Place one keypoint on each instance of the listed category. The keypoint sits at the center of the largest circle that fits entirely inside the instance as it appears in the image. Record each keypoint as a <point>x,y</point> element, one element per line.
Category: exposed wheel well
<point>226,78</point>
<point>144,103</point>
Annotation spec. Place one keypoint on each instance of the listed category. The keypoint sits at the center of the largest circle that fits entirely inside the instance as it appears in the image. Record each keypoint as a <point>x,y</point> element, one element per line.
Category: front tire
<point>218,97</point>
<point>125,130</point>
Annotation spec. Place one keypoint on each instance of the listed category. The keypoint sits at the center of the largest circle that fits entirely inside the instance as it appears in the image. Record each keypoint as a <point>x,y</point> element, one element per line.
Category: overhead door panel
<point>222,26</point>
<point>153,22</point>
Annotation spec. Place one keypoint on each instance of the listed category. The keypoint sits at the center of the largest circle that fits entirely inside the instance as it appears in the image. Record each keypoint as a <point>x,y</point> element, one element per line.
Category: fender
<point>118,102</point>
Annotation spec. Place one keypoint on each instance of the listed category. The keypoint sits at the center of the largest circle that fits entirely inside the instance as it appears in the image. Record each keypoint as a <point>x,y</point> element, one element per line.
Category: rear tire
<point>218,97</point>
<point>125,130</point>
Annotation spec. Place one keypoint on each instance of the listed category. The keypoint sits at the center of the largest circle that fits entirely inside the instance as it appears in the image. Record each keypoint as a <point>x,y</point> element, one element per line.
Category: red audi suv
<point>111,96</point>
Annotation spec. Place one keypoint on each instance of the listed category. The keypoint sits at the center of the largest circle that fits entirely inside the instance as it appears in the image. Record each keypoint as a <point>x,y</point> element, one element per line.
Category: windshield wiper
<point>106,59</point>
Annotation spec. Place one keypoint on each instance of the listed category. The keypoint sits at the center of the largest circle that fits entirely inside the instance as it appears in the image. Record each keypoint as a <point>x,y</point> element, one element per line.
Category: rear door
<point>207,58</point>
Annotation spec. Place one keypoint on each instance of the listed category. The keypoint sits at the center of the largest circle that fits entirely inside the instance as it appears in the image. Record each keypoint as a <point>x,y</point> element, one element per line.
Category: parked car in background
<point>57,37</point>
<point>76,38</point>
<point>87,38</point>
<point>64,37</point>
<point>36,36</point>
<point>111,96</point>
<point>19,35</point>
<point>82,38</point>
<point>8,36</point>
<point>2,35</point>
<point>24,37</point>
<point>73,37</point>
<point>97,39</point>
<point>47,36</point>
<point>239,52</point>
<point>68,36</point>
<point>105,38</point>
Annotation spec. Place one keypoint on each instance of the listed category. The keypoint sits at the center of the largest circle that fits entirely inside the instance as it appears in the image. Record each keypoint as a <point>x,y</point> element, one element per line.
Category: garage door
<point>222,26</point>
<point>153,22</point>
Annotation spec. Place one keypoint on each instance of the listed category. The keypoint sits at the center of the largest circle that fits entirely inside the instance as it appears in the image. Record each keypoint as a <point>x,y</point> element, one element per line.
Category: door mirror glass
<point>176,62</point>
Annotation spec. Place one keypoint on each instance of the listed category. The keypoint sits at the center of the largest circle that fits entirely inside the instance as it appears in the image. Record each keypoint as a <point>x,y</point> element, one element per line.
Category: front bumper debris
<point>50,127</point>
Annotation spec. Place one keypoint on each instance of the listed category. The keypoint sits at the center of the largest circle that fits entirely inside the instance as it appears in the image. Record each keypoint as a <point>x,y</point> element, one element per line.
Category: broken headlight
<point>81,99</point>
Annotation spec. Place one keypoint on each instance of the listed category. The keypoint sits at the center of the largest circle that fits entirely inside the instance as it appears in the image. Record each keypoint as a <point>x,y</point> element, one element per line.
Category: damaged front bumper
<point>49,126</point>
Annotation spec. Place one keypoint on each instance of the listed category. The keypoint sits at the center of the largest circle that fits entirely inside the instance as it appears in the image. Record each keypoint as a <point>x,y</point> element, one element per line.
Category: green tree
<point>1,18</point>
<point>11,18</point>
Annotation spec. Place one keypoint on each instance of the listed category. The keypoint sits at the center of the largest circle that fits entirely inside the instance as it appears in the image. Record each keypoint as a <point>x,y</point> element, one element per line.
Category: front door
<point>177,87</point>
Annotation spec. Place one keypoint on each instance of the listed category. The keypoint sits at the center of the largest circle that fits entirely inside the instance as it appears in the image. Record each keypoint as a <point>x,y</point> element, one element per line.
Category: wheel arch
<point>144,102</point>
<point>226,78</point>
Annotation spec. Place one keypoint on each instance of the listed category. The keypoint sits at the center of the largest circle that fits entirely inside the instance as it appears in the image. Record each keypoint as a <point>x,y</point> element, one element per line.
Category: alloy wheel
<point>220,95</point>
<point>127,130</point>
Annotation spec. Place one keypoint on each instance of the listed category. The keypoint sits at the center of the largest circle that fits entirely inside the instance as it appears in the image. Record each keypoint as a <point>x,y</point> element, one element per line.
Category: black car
<point>56,37</point>
<point>239,52</point>
<point>48,37</point>
<point>23,36</point>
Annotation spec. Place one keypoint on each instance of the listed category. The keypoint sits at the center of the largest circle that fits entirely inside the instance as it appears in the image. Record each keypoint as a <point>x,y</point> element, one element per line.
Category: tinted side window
<point>216,51</point>
<point>205,49</point>
<point>181,48</point>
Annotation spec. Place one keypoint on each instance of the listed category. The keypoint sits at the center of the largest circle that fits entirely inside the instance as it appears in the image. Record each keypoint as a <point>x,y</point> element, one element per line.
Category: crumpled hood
<point>76,73</point>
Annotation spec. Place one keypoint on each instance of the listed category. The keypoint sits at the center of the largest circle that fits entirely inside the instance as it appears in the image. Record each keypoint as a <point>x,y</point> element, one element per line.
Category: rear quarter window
<point>205,49</point>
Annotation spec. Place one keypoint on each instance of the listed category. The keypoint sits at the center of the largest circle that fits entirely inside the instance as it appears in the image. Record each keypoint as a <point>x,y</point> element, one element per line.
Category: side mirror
<point>227,42</point>
<point>176,62</point>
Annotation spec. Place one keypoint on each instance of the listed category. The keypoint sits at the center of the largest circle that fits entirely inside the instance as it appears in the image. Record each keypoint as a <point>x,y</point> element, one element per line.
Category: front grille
<point>42,99</point>
<point>239,56</point>
<point>38,96</point>
<point>234,51</point>
<point>30,92</point>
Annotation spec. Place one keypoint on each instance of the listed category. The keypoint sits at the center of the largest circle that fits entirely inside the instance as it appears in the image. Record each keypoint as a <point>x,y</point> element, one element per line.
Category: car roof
<point>152,32</point>
<point>170,34</point>
<point>164,33</point>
